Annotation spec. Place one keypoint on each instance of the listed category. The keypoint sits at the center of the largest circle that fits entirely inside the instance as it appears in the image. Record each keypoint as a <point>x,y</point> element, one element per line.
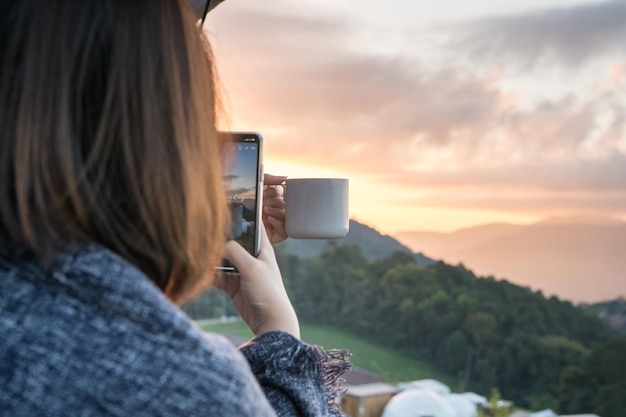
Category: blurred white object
<point>418,403</point>
<point>462,405</point>
<point>544,413</point>
<point>425,384</point>
<point>475,398</point>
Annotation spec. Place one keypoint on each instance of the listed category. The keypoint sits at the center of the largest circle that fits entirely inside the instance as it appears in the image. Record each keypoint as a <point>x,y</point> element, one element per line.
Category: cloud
<point>615,78</point>
<point>240,190</point>
<point>603,176</point>
<point>572,35</point>
<point>602,204</point>
<point>524,203</point>
<point>320,99</point>
<point>305,76</point>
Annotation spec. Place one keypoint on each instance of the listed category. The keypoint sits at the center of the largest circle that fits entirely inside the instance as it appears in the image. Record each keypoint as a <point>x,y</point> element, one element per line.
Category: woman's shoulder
<point>93,335</point>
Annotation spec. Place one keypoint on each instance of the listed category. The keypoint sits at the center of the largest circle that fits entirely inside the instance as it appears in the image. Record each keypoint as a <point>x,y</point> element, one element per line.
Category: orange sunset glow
<point>439,120</point>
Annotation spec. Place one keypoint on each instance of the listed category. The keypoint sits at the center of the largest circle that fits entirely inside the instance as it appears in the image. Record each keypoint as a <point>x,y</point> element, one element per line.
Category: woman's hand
<point>274,208</point>
<point>258,291</point>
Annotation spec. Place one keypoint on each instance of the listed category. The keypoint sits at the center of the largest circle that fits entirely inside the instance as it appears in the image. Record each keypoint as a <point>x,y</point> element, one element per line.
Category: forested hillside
<point>372,243</point>
<point>540,352</point>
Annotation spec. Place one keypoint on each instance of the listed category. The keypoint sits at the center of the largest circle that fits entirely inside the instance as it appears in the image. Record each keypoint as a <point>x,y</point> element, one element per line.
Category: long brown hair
<point>108,135</point>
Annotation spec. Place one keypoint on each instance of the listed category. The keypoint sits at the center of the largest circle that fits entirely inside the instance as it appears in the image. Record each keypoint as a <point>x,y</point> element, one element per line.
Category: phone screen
<point>243,184</point>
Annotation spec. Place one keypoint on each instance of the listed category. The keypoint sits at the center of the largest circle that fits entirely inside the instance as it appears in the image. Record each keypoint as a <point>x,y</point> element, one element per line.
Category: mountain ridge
<point>581,262</point>
<point>373,244</point>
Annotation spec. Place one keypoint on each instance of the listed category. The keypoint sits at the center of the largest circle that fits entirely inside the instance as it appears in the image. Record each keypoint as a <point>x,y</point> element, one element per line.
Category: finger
<point>276,212</point>
<point>272,192</point>
<point>269,179</point>
<point>278,227</point>
<point>274,204</point>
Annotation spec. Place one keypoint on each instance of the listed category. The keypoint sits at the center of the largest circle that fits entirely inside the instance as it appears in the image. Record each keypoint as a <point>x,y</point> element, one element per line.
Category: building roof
<point>368,390</point>
<point>358,376</point>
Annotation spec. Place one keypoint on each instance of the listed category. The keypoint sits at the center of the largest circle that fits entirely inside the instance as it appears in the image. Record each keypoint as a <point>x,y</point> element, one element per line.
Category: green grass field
<point>387,364</point>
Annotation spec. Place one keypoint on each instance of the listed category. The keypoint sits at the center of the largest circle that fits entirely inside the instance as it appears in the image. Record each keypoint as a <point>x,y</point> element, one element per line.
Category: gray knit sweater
<point>93,336</point>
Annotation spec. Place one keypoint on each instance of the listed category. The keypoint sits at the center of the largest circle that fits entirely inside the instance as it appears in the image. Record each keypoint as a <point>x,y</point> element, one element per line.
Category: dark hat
<point>199,6</point>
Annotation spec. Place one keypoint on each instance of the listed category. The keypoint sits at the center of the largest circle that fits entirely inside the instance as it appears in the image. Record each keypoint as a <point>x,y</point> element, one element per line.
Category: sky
<point>243,175</point>
<point>442,114</point>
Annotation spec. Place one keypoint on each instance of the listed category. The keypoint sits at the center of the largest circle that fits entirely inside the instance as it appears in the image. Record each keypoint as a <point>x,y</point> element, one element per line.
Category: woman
<point>112,213</point>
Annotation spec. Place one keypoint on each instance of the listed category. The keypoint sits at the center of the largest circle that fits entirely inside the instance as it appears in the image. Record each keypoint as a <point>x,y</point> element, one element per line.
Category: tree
<point>576,391</point>
<point>488,332</point>
<point>495,407</point>
<point>606,366</point>
<point>480,328</point>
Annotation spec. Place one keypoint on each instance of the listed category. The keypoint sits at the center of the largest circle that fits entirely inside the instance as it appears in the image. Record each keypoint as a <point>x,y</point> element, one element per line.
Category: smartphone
<point>243,182</point>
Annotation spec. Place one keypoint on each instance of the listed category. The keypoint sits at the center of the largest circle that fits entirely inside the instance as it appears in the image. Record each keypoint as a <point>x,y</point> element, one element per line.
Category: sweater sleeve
<point>298,379</point>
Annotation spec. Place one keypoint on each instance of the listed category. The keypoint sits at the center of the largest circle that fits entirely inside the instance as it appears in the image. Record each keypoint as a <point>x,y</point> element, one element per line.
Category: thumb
<point>266,251</point>
<point>237,255</point>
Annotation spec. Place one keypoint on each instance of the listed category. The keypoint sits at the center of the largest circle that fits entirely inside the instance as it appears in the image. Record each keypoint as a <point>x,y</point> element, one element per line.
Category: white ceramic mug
<point>316,208</point>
